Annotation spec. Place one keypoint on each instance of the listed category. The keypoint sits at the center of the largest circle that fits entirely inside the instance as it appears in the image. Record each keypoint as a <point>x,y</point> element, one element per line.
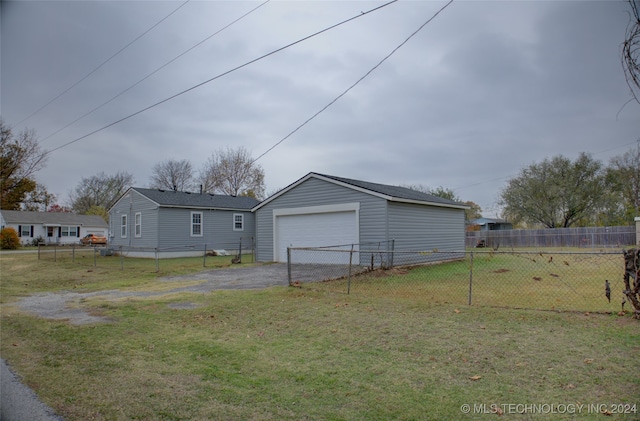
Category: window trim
<point>137,225</point>
<point>196,224</point>
<point>123,226</point>
<point>241,215</point>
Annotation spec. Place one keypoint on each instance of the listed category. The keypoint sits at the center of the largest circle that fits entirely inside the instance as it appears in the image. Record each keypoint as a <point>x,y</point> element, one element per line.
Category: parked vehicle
<point>93,239</point>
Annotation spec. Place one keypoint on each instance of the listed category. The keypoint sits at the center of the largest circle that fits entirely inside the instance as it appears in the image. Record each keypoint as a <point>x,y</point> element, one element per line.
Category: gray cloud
<point>483,90</point>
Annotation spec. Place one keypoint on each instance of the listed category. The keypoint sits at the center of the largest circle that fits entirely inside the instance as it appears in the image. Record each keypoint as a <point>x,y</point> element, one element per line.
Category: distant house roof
<point>392,193</point>
<point>52,218</point>
<point>485,221</point>
<point>172,198</point>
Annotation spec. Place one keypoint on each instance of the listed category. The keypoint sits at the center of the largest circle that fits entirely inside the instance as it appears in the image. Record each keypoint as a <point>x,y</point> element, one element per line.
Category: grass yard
<point>542,280</point>
<point>296,353</point>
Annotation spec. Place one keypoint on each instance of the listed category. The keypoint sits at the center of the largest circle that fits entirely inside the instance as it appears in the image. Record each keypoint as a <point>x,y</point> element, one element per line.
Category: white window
<point>138,221</point>
<point>69,231</point>
<point>123,226</point>
<point>238,222</point>
<point>25,231</point>
<point>196,224</point>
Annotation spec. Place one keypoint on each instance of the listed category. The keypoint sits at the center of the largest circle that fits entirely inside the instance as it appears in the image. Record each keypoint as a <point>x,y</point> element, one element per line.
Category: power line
<point>356,83</point>
<point>155,71</point>
<point>221,75</point>
<point>102,64</point>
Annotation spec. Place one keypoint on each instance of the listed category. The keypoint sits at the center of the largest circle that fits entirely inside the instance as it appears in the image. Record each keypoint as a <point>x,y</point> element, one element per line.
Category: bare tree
<point>233,172</point>
<point>20,158</point>
<point>172,175</point>
<point>100,190</point>
<point>631,51</point>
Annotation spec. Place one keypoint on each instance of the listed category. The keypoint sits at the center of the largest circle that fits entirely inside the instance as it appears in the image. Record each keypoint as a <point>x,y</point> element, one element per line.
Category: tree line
<point>554,193</point>
<point>227,171</point>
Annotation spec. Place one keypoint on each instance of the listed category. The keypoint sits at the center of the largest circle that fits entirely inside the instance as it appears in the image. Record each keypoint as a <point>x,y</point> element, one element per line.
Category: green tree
<point>474,211</point>
<point>20,158</point>
<point>557,192</point>
<point>99,190</point>
<point>99,211</point>
<point>623,189</point>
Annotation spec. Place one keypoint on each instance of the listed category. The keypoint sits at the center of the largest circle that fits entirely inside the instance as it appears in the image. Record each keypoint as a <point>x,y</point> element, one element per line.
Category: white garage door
<point>316,230</point>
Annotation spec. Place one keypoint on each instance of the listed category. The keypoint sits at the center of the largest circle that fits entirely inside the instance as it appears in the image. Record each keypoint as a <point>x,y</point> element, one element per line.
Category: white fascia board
<point>419,202</point>
<point>281,192</point>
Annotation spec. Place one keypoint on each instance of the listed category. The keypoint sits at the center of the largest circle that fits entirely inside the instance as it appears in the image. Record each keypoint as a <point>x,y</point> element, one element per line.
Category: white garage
<point>316,226</point>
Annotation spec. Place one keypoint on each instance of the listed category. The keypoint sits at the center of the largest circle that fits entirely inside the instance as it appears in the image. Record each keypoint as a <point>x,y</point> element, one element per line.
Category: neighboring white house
<point>52,227</point>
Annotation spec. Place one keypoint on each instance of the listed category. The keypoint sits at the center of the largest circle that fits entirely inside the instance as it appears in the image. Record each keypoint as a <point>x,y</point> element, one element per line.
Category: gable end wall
<point>315,192</point>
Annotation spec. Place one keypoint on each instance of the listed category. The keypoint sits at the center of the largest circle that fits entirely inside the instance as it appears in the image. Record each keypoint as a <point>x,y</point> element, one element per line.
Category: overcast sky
<point>481,91</point>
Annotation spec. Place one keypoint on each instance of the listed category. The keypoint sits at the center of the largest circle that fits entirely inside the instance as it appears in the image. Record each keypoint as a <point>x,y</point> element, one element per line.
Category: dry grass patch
<point>293,353</point>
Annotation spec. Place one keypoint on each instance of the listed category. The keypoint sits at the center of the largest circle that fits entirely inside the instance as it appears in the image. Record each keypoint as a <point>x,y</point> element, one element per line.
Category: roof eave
<point>420,202</point>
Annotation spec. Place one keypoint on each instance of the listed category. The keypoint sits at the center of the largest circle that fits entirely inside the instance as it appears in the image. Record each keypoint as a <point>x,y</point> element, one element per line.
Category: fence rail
<point>549,280</point>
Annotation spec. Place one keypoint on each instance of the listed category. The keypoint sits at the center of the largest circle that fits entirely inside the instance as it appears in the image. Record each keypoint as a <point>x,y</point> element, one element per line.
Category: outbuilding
<point>322,210</point>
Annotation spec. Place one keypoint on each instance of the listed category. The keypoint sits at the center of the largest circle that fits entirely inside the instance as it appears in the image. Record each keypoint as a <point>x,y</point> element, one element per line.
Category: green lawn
<point>542,280</point>
<point>298,353</point>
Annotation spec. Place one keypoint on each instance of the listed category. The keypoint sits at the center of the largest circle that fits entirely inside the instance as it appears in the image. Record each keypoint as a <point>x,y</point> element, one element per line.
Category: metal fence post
<point>393,248</point>
<point>204,256</point>
<point>121,259</point>
<point>157,261</point>
<point>39,244</point>
<point>95,262</point>
<point>289,265</point>
<point>73,253</point>
<point>470,276</point>
<point>240,251</point>
<point>350,264</point>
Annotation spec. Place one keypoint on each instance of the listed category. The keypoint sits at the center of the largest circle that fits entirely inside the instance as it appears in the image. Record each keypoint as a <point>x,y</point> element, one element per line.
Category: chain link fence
<point>149,259</point>
<point>547,280</point>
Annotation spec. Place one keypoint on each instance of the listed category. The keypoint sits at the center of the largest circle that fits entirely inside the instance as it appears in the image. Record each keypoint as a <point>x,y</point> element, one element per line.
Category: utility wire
<point>221,75</point>
<point>155,71</point>
<point>356,83</point>
<point>102,64</point>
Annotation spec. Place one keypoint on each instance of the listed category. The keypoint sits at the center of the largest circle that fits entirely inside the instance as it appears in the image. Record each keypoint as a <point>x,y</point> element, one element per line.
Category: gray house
<point>173,223</point>
<point>52,227</point>
<point>321,210</point>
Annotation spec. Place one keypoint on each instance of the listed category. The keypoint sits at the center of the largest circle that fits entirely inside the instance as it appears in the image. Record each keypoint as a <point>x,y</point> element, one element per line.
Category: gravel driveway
<point>68,305</point>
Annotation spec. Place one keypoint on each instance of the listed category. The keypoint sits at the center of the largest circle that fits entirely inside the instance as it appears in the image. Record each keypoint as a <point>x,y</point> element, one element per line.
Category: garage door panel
<point>317,230</point>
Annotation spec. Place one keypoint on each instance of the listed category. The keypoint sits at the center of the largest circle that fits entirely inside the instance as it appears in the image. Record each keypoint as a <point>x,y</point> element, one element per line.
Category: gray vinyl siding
<point>174,229</point>
<point>315,192</point>
<point>425,228</point>
<point>169,228</point>
<point>130,205</point>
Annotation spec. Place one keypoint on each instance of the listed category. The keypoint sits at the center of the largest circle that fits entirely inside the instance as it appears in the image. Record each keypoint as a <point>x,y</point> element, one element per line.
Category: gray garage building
<point>322,210</point>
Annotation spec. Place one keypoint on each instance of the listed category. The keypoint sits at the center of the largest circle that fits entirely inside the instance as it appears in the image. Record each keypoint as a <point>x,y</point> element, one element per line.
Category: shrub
<point>37,241</point>
<point>9,239</point>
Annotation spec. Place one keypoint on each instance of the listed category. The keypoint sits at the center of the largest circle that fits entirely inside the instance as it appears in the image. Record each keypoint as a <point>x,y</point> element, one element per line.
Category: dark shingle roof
<point>197,200</point>
<point>394,191</point>
<point>62,218</point>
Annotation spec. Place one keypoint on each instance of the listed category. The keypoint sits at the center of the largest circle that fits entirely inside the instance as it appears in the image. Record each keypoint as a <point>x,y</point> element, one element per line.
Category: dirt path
<point>69,305</point>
